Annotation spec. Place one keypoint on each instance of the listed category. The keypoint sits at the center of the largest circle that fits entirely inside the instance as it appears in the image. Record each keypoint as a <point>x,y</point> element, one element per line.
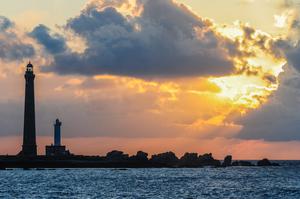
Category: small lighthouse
<point>57,149</point>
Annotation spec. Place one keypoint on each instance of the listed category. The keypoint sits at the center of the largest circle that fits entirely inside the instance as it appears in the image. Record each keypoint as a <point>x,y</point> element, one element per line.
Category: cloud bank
<point>164,40</point>
<point>279,118</point>
<point>54,43</point>
<point>224,71</point>
<point>12,47</point>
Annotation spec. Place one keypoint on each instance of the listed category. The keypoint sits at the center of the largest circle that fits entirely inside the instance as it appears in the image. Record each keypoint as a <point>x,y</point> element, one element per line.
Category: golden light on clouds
<point>198,106</point>
<point>203,105</point>
<point>258,68</point>
<point>247,92</point>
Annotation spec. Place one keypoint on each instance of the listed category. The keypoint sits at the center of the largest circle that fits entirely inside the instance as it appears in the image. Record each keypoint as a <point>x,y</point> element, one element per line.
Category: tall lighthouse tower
<point>29,147</point>
<point>57,136</point>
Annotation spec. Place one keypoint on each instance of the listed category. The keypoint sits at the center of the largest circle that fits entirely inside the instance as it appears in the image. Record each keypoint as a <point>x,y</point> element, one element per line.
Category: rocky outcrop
<point>242,163</point>
<point>227,161</point>
<point>116,156</point>
<point>265,163</point>
<point>118,159</point>
<point>168,159</point>
<point>189,160</point>
<point>140,157</point>
<point>193,160</point>
<point>208,160</point>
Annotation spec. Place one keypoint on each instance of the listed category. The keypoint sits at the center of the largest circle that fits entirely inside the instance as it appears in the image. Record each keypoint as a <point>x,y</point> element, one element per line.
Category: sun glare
<point>257,71</point>
<point>280,21</point>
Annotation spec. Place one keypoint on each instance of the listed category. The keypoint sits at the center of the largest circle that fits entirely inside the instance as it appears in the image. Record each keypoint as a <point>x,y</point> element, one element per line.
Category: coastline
<point>117,159</point>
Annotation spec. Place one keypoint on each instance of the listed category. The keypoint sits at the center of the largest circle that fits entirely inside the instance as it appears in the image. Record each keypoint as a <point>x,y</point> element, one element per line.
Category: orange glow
<point>240,149</point>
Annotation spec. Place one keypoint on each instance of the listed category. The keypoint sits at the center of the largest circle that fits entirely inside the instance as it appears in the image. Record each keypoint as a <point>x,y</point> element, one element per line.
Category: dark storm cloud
<point>53,43</point>
<point>290,51</point>
<point>12,47</point>
<point>293,56</point>
<point>166,40</point>
<point>277,120</point>
<point>92,20</point>
<point>291,45</point>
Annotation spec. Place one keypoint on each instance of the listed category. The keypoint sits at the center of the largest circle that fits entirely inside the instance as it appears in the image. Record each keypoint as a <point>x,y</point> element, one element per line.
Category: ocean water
<point>235,182</point>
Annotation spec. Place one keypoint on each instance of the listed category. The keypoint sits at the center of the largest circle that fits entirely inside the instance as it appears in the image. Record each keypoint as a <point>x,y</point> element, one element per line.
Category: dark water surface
<point>235,182</point>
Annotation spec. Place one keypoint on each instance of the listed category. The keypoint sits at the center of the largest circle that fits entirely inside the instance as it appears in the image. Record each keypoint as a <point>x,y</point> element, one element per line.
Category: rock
<point>265,163</point>
<point>190,160</point>
<point>235,163</point>
<point>242,163</point>
<point>227,161</point>
<point>140,157</point>
<point>168,158</point>
<point>208,160</point>
<point>116,156</point>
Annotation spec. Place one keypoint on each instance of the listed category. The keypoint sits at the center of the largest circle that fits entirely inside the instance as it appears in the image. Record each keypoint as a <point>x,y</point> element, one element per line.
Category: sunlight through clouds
<point>151,68</point>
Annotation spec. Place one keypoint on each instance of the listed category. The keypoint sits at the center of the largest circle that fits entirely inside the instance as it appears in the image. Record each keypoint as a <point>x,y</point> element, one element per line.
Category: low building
<point>57,149</point>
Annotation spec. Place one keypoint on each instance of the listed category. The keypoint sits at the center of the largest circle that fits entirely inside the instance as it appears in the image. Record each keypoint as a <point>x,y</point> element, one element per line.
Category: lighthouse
<point>57,149</point>
<point>57,135</point>
<point>29,147</point>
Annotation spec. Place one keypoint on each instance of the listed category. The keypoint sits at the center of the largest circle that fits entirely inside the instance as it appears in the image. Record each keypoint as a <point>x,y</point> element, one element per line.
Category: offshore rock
<point>208,160</point>
<point>190,160</point>
<point>168,159</point>
<point>242,163</point>
<point>116,156</point>
<point>117,159</point>
<point>140,157</point>
<point>227,161</point>
<point>265,162</point>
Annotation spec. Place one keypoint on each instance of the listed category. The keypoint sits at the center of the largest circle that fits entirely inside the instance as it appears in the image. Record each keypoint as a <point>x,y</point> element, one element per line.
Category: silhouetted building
<point>57,149</point>
<point>29,147</point>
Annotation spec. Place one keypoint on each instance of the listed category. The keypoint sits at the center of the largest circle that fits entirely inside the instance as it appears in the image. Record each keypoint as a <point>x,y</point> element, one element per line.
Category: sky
<point>155,75</point>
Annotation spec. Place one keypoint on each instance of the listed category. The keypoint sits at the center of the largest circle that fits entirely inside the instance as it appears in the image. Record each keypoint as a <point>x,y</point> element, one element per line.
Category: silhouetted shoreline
<point>118,159</point>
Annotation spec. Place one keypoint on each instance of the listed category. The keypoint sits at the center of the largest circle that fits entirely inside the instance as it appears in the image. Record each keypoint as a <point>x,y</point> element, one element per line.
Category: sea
<point>233,182</point>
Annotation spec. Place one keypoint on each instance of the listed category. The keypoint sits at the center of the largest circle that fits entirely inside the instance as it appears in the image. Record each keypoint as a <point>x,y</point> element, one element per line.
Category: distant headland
<point>57,156</point>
